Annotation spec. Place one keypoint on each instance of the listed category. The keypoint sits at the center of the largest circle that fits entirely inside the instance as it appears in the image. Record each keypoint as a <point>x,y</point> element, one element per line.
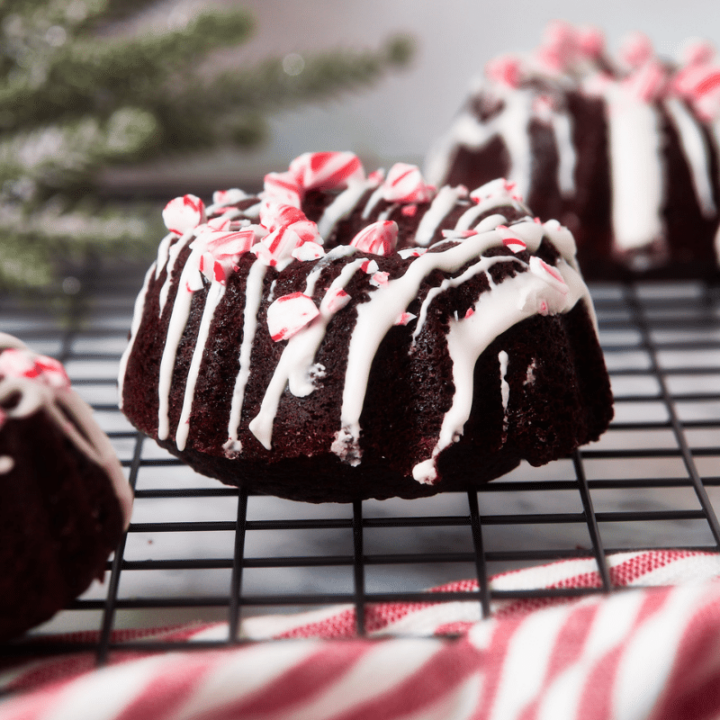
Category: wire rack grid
<point>197,551</point>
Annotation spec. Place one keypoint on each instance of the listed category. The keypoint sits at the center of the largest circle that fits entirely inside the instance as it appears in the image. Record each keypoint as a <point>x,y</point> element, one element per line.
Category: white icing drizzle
<point>483,264</point>
<point>562,128</point>
<point>176,328</point>
<point>503,359</point>
<point>342,205</point>
<point>163,253</point>
<point>378,315</point>
<point>637,185</point>
<point>294,368</point>
<point>693,145</point>
<point>173,254</point>
<point>60,404</point>
<point>253,298</point>
<point>373,200</point>
<point>512,125</point>
<point>442,204</point>
<point>134,327</point>
<point>509,303</point>
<point>214,296</point>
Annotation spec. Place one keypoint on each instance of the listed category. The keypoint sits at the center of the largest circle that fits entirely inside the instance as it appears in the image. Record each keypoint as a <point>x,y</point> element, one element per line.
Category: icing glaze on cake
<point>381,252</point>
<point>31,383</point>
<point>623,150</point>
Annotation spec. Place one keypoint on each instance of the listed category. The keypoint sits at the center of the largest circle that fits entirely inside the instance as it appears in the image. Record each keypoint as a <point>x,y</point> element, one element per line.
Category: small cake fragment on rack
<point>65,501</point>
<point>345,335</point>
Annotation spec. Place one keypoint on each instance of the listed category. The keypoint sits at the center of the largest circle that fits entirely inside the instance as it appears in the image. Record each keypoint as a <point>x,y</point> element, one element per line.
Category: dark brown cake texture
<point>65,499</point>
<point>345,336</point>
<point>623,151</point>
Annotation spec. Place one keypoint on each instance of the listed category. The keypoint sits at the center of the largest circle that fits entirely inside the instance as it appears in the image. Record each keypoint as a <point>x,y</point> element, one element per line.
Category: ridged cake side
<point>418,340</point>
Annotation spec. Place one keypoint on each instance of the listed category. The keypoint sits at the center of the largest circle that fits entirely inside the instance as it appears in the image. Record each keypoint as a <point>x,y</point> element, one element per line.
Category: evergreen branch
<point>23,264</point>
<point>227,108</point>
<point>80,228</point>
<point>61,155</point>
<point>101,75</point>
<point>324,74</point>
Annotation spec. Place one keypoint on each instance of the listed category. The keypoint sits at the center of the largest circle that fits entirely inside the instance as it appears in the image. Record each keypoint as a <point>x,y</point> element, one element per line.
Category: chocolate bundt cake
<point>65,500</point>
<point>624,152</point>
<point>343,336</point>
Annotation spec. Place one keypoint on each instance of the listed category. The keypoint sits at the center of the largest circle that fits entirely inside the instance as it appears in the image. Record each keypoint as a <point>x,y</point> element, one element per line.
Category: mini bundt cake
<point>65,501</point>
<point>623,152</point>
<point>343,336</point>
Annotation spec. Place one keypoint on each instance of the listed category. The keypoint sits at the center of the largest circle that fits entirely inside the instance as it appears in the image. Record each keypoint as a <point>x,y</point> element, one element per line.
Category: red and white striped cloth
<point>651,651</point>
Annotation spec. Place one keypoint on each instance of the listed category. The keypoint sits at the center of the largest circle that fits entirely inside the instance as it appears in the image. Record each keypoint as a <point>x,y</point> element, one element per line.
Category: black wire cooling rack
<point>197,551</point>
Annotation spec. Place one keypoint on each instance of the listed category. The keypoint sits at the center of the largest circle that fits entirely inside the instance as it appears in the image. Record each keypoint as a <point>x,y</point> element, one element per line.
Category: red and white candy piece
<point>559,48</point>
<point>499,187</point>
<point>636,50</point>
<point>510,239</point>
<point>279,245</point>
<point>380,279</point>
<point>326,170</point>
<point>289,314</point>
<point>21,363</point>
<point>590,42</point>
<point>283,188</point>
<point>405,184</point>
<point>697,52</point>
<point>404,318</point>
<point>505,70</point>
<point>549,274</point>
<point>183,214</point>
<point>648,82</point>
<point>308,251</point>
<point>335,299</point>
<point>228,197</point>
<point>379,238</point>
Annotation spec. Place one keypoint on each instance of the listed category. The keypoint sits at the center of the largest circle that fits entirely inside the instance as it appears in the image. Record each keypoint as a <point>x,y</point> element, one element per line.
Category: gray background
<point>399,117</point>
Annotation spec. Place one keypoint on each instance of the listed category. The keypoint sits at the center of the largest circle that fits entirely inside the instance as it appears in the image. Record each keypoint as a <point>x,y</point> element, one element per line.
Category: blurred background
<point>111,107</point>
<point>399,116</point>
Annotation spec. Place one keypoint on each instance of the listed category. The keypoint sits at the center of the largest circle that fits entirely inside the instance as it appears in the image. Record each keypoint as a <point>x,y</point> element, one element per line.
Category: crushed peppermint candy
<point>405,184</point>
<point>335,300</point>
<point>505,70</point>
<point>379,238</point>
<point>326,170</point>
<point>22,363</point>
<point>409,210</point>
<point>404,318</point>
<point>229,197</point>
<point>548,273</point>
<point>183,214</point>
<point>514,244</point>
<point>283,188</point>
<point>308,251</point>
<point>289,314</point>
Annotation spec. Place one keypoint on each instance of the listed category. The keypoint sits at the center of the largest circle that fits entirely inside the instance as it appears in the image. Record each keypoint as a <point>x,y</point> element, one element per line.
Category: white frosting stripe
<point>294,368</point>
<point>636,170</point>
<point>253,298</point>
<point>694,147</point>
<point>134,327</point>
<point>342,206</point>
<point>214,296</point>
<point>562,127</point>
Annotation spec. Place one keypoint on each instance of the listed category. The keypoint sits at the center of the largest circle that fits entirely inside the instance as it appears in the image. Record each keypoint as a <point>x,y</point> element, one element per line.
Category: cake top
<point>30,383</point>
<point>576,58</point>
